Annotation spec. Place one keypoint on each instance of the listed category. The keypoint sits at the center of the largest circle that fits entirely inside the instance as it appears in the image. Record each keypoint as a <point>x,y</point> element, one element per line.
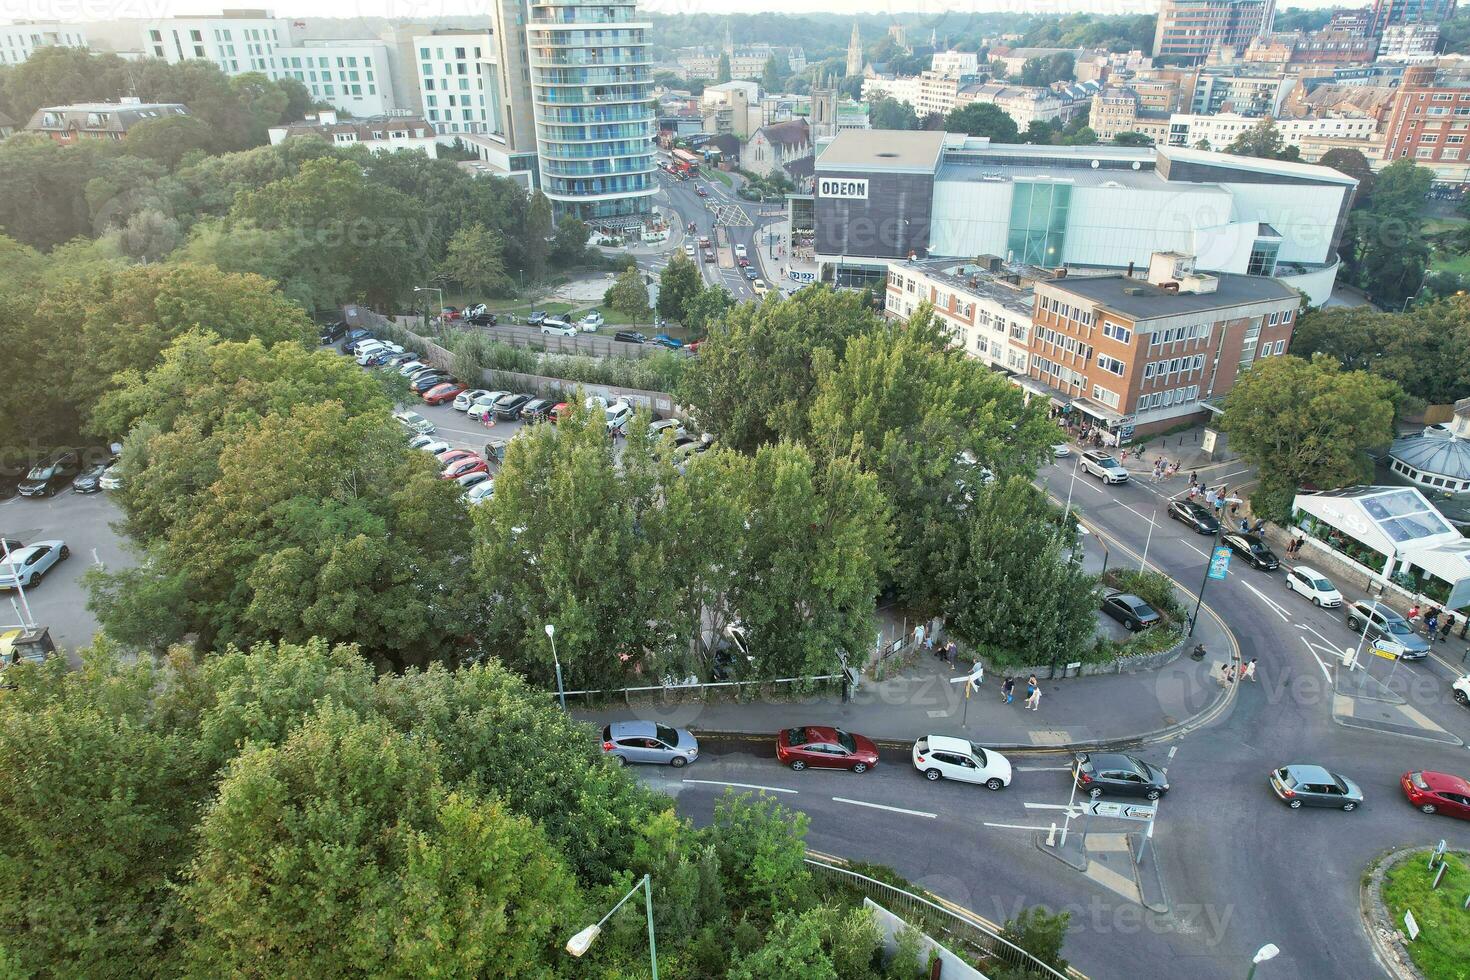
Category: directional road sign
<point>1122,811</point>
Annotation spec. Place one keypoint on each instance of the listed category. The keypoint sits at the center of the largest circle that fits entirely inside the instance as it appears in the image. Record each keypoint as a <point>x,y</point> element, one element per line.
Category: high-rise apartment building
<point>19,41</point>
<point>592,91</point>
<point>1191,29</point>
<point>1390,13</point>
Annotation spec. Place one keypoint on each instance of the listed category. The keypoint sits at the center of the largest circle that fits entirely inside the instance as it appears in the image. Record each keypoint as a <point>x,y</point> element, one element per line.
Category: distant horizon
<point>83,11</point>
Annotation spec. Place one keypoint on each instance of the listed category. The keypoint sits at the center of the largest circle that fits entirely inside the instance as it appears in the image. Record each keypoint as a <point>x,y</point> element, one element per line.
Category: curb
<point>1382,936</point>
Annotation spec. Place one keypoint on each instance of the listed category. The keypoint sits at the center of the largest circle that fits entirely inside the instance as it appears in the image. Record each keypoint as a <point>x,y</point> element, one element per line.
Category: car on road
<point>944,757</point>
<point>709,254</point>
<point>1375,621</point>
<point>689,249</point>
<point>1104,467</point>
<point>742,262</point>
<point>1253,549</point>
<point>1437,792</point>
<point>483,319</point>
<point>27,566</point>
<point>739,251</point>
<point>1314,585</point>
<point>464,467</point>
<point>1061,450</point>
<point>49,475</point>
<point>1194,515</point>
<point>822,747</point>
<point>1118,774</point>
<point>466,398</point>
<point>1301,785</point>
<point>480,492</point>
<point>701,192</point>
<point>1461,687</point>
<point>558,328</point>
<point>535,317</point>
<point>591,320</point>
<point>90,479</point>
<point>508,408</point>
<point>760,287</point>
<point>664,340</point>
<point>439,394</point>
<point>112,478</point>
<point>630,337</point>
<point>536,410</point>
<point>1130,610</point>
<point>751,274</point>
<point>414,422</point>
<point>645,741</point>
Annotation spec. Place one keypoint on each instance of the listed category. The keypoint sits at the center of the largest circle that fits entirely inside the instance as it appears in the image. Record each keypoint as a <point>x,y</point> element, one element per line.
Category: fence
<point>589,344</point>
<point>697,691</point>
<point>964,932</point>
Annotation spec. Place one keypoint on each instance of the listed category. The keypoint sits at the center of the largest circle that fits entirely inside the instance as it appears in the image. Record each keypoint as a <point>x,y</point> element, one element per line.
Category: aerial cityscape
<point>603,488</point>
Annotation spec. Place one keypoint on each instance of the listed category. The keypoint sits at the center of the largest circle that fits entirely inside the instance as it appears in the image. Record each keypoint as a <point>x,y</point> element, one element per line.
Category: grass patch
<point>720,175</point>
<point>1444,926</point>
<point>1448,262</point>
<point>1433,226</point>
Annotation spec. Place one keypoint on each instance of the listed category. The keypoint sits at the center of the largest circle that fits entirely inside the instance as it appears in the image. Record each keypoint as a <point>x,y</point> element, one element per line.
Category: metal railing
<point>964,932</point>
<point>698,689</point>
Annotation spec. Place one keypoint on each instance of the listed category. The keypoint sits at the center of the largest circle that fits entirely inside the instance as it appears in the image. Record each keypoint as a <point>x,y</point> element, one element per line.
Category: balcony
<point>556,95</point>
<point>599,168</point>
<point>581,117</point>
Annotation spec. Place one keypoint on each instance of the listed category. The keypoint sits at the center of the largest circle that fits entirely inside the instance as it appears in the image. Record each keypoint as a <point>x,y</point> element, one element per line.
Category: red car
<point>439,394</point>
<point>825,748</point>
<point>560,411</point>
<point>453,456</point>
<point>464,467</point>
<point>742,261</point>
<point>1437,792</point>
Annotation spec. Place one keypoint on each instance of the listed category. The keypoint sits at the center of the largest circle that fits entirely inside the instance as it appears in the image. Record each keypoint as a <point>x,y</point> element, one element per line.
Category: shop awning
<point>1098,411</point>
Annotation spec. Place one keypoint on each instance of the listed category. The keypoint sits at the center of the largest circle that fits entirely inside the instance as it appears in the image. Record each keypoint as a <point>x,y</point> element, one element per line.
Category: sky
<point>85,10</point>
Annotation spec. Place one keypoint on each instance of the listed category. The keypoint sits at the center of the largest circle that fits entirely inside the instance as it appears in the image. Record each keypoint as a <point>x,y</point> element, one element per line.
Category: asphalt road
<point>682,196</point>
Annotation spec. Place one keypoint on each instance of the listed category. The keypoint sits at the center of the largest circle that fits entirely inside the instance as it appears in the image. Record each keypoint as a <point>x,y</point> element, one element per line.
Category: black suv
<point>332,332</point>
<point>630,337</point>
<point>48,476</point>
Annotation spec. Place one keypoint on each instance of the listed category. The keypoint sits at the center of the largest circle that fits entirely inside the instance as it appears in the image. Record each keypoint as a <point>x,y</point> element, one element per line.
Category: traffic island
<point>1418,931</point>
<point>1123,862</point>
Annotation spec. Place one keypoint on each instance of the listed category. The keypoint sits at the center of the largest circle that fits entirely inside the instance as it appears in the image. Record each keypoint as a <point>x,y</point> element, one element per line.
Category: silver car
<point>644,741</point>
<point>29,565</point>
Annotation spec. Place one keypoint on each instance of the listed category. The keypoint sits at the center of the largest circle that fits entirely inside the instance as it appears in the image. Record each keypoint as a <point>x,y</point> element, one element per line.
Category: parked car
<point>664,340</point>
<point>472,479</point>
<point>1061,450</point>
<point>411,368</point>
<point>419,372</point>
<point>559,411</point>
<point>1194,515</point>
<point>558,328</point>
<point>535,317</point>
<point>49,475</point>
<point>667,425</point>
<point>365,350</point>
<point>420,441</point>
<point>112,477</point>
<point>943,757</point>
<point>330,333</point>
<point>508,408</point>
<point>483,319</point>
<point>1130,610</point>
<point>1314,585</point>
<point>449,313</point>
<point>1461,687</point>
<point>379,355</point>
<point>447,456</point>
<point>1118,774</point>
<point>644,741</point>
<point>1104,467</point>
<point>466,398</point>
<point>821,747</point>
<point>439,394</point>
<point>414,422</point>
<point>435,447</point>
<point>353,338</point>
<point>1437,792</point>
<point>27,566</point>
<point>484,406</point>
<point>90,479</point>
<point>398,360</point>
<point>1253,549</point>
<point>592,320</point>
<point>1377,622</point>
<point>480,492</point>
<point>1300,786</point>
<point>618,414</point>
<point>630,337</point>
<point>465,466</point>
<point>424,382</point>
<point>536,410</point>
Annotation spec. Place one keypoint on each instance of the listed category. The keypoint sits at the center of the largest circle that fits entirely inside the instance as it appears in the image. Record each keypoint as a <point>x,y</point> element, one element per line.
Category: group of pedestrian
<point>1164,469</point>
<point>1295,545</point>
<point>1438,621</point>
<point>1033,692</point>
<point>1230,673</point>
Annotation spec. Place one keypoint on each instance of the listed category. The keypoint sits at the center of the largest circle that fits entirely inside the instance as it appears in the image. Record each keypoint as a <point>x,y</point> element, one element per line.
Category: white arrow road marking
<point>1325,672</point>
<point>717,782</point>
<point>1049,806</point>
<point>1278,610</point>
<point>890,809</point>
<point>1016,826</point>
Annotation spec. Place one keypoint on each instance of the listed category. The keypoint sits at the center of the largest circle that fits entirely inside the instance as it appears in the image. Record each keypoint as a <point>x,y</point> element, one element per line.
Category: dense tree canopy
<point>983,119</point>
<point>1426,352</point>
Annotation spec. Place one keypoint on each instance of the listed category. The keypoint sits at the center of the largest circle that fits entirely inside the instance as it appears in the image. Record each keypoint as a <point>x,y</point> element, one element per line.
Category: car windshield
<point>1399,627</point>
<point>1417,778</point>
<point>1106,461</point>
<point>666,734</point>
<point>39,473</point>
<point>1321,585</point>
<point>796,736</point>
<point>846,741</point>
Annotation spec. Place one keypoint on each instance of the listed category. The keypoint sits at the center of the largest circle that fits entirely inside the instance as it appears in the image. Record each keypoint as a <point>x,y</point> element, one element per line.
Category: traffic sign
<point>1219,563</point>
<point>1122,811</point>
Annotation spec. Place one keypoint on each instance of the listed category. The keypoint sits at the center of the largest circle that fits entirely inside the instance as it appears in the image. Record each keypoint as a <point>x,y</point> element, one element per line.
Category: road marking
<point>1043,769</point>
<point>1194,549</point>
<point>890,809</point>
<point>1325,672</point>
<point>1048,806</point>
<point>1172,750</point>
<point>1302,626</point>
<point>1278,610</point>
<point>1016,826</point>
<point>1082,479</point>
<point>1130,509</point>
<point>717,782</point>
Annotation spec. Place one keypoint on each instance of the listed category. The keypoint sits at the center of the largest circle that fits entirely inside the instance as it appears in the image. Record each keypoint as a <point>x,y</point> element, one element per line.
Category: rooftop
<point>910,151</point>
<point>1138,300</point>
<point>1440,455</point>
<point>972,280</point>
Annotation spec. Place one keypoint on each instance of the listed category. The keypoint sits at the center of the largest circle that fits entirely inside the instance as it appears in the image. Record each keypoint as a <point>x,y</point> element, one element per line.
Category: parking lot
<point>83,521</point>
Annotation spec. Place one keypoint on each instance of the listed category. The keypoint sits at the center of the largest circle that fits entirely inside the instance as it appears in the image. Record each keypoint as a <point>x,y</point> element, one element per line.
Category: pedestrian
<point>1230,674</point>
<point>1245,525</point>
<point>949,653</point>
<point>1031,688</point>
<point>1008,691</point>
<point>1414,613</point>
<point>1193,478</point>
<point>1446,626</point>
<point>1431,622</point>
<point>1259,525</point>
<point>1225,672</point>
<point>1033,700</point>
<point>919,635</point>
<point>1235,510</point>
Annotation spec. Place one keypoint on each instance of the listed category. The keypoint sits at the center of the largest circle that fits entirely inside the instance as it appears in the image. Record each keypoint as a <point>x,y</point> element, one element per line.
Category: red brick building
<point>1431,114</point>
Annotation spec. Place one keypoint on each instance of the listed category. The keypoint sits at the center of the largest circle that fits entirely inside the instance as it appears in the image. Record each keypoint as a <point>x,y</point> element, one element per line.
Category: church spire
<point>855,53</point>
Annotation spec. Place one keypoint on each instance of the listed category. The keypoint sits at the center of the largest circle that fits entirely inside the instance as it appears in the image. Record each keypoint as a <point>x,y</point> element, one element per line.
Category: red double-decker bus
<point>685,162</point>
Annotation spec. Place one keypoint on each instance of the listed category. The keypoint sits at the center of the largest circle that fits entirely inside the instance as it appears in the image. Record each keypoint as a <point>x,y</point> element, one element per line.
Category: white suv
<point>1461,688</point>
<point>1104,467</point>
<point>944,757</point>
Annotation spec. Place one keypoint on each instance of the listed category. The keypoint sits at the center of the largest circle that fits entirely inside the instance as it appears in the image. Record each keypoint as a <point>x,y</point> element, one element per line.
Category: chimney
<point>1130,268</point>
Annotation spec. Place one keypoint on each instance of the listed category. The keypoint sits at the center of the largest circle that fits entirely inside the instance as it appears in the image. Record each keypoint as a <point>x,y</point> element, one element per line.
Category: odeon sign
<point>852,188</point>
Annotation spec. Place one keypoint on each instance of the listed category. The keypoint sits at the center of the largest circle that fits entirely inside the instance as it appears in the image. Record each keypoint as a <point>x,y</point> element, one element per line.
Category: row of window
<point>1428,480</point>
<point>1064,342</point>
<point>1106,396</point>
<point>1111,365</point>
<point>1195,331</point>
<point>459,54</point>
<point>1174,365</point>
<point>1267,349</point>
<point>1067,311</point>
<point>1118,332</point>
<point>1060,375</point>
<point>1163,399</point>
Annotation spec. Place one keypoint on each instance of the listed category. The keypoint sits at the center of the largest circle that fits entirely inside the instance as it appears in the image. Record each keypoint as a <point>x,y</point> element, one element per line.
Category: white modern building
<point>19,41</point>
<point>1219,130</point>
<point>238,41</point>
<point>460,83</point>
<point>380,134</point>
<point>351,75</point>
<point>955,64</point>
<point>896,195</point>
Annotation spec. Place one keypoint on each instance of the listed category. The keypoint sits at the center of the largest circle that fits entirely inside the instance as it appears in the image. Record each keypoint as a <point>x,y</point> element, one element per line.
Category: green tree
<point>1355,165</point>
<point>722,72</point>
<point>678,286</point>
<point>1131,138</point>
<point>264,102</point>
<point>168,139</point>
<point>1307,422</point>
<point>707,308</point>
<point>818,943</point>
<point>1039,132</point>
<point>1013,593</point>
<point>628,294</point>
<point>886,113</point>
<point>762,850</point>
<point>537,247</point>
<point>1040,933</point>
<point>1261,140</point>
<point>983,119</point>
<point>771,76</point>
<point>475,261</point>
<point>1386,251</point>
<point>569,244</point>
<point>1427,352</point>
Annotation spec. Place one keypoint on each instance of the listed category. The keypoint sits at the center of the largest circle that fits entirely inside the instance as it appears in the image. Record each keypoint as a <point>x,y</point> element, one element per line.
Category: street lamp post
<point>1266,952</point>
<point>579,943</point>
<point>561,695</point>
<point>432,289</point>
<point>1106,553</point>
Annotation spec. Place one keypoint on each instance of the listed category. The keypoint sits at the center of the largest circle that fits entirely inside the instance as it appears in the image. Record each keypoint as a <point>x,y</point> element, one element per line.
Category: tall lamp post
<point>579,943</point>
<point>432,289</point>
<point>561,695</point>
<point>1266,952</point>
<point>1106,554</point>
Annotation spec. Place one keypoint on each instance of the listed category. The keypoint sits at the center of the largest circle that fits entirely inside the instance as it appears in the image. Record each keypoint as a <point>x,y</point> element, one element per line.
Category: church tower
<point>855,53</point>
